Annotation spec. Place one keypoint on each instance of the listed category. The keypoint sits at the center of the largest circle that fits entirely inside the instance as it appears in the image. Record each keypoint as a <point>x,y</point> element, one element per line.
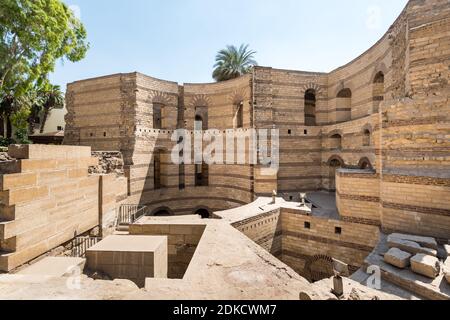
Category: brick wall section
<point>265,230</point>
<point>282,232</point>
<point>406,114</point>
<point>48,200</point>
<point>358,196</point>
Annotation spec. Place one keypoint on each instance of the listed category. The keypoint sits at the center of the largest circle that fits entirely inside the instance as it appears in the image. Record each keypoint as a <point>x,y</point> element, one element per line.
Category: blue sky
<point>177,39</point>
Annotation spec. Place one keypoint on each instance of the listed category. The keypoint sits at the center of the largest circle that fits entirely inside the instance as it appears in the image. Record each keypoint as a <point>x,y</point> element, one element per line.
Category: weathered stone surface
<point>426,242</point>
<point>108,162</point>
<point>409,246</point>
<point>447,249</point>
<point>427,266</point>
<point>447,270</point>
<point>398,258</point>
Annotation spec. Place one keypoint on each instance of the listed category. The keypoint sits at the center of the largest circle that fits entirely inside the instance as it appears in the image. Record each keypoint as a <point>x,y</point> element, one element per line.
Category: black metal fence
<point>81,244</point>
<point>129,213</point>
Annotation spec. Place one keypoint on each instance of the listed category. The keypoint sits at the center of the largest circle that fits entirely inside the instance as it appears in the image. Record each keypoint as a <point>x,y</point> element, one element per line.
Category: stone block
<point>55,267</point>
<point>425,265</point>
<point>398,258</point>
<point>130,257</point>
<point>38,151</point>
<point>409,246</point>
<point>426,242</point>
<point>18,180</point>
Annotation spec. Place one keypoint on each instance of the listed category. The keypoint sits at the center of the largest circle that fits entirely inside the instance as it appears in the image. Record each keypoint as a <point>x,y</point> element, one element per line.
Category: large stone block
<point>426,242</point>
<point>398,258</point>
<point>410,246</point>
<point>39,152</point>
<point>425,265</point>
<point>447,270</point>
<point>130,257</point>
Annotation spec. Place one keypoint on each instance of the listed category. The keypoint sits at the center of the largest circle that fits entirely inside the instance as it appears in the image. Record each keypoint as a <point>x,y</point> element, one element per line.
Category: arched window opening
<point>365,164</point>
<point>344,105</point>
<point>201,175</point>
<point>378,91</point>
<point>157,115</point>
<point>204,213</point>
<point>239,116</point>
<point>201,119</point>
<point>336,142</point>
<point>366,138</point>
<point>198,123</point>
<point>310,107</point>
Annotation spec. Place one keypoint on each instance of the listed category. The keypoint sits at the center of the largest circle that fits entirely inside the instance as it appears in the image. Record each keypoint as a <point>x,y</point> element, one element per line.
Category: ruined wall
<point>388,109</point>
<point>138,96</point>
<point>265,230</point>
<point>415,129</point>
<point>47,198</point>
<point>302,242</point>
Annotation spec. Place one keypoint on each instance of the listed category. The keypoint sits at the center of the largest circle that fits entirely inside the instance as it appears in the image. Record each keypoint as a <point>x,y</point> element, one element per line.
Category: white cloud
<point>374,18</point>
<point>76,10</point>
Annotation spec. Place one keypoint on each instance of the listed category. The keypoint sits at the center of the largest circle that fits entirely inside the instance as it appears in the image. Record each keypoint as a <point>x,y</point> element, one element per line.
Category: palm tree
<point>50,98</point>
<point>9,105</point>
<point>233,62</point>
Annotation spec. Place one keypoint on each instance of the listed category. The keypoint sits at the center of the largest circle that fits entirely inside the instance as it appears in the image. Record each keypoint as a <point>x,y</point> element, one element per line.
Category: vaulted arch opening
<point>344,105</point>
<point>378,91</point>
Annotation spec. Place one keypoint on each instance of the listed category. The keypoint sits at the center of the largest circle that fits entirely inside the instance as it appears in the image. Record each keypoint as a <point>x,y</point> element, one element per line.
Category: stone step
<point>55,267</point>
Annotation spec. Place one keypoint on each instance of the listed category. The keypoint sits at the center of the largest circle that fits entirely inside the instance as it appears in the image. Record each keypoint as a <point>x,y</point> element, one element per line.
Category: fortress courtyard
<point>277,185</point>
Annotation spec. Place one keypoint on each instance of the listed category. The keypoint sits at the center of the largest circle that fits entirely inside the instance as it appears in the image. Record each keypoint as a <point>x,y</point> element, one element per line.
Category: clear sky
<point>177,39</point>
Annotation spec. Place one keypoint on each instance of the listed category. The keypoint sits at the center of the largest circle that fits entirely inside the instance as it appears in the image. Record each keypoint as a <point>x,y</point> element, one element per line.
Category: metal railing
<point>129,213</point>
<point>81,244</point>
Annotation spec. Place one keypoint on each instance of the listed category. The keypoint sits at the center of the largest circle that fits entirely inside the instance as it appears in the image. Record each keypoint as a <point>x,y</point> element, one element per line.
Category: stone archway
<point>334,163</point>
<point>319,267</point>
<point>205,213</point>
<point>162,212</point>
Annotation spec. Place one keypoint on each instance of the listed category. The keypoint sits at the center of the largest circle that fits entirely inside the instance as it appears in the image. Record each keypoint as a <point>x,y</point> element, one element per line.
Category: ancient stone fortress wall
<point>386,112</point>
<point>410,190</point>
<point>137,101</point>
<point>48,198</point>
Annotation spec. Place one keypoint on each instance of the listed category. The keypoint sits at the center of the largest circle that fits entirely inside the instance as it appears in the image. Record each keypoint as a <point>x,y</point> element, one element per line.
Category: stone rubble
<point>410,246</point>
<point>398,258</point>
<point>426,242</point>
<point>427,266</point>
<point>109,162</point>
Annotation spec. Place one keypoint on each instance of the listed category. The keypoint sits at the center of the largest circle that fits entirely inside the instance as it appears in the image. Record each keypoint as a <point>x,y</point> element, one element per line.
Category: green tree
<point>34,35</point>
<point>233,62</point>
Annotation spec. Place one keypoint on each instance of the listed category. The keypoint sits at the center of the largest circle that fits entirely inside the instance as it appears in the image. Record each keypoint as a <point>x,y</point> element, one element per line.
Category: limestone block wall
<point>389,107</point>
<point>49,199</point>
<point>265,230</point>
<point>138,96</point>
<point>358,196</point>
